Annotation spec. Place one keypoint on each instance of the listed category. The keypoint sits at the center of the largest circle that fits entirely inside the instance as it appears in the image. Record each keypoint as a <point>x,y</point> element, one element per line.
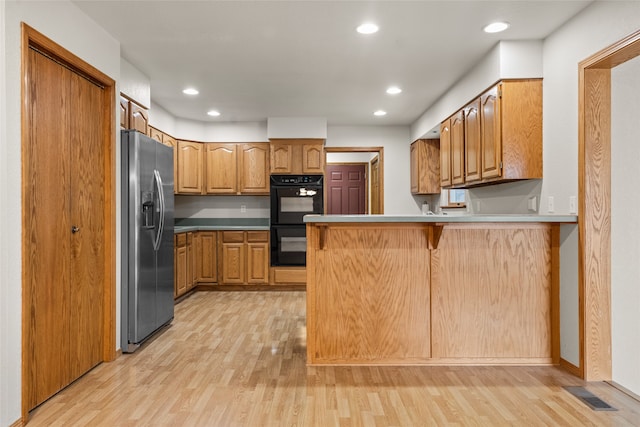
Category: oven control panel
<point>296,179</point>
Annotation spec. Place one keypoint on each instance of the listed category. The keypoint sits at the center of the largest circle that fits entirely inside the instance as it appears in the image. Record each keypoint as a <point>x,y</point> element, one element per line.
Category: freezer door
<point>164,272</point>
<point>142,229</point>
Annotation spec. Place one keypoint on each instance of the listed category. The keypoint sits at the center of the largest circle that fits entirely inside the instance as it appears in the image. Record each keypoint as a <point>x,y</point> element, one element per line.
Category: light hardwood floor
<point>238,359</point>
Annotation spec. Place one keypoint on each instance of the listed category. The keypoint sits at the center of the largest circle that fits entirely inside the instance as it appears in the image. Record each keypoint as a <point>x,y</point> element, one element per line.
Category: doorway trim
<point>33,38</point>
<point>594,196</point>
<point>380,153</point>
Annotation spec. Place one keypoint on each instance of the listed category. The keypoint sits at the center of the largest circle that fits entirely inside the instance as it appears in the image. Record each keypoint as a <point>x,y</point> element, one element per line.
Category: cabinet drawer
<point>181,239</point>
<point>233,236</point>
<point>257,236</point>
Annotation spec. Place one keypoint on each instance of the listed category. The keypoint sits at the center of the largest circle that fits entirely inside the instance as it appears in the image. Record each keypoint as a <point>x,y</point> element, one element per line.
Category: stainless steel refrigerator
<point>147,238</point>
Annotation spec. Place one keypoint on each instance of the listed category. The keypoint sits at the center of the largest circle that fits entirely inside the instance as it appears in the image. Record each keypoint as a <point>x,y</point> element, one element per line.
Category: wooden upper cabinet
<point>491,134</point>
<point>220,168</point>
<point>156,134</point>
<point>281,157</point>
<point>190,174</point>
<point>313,158</point>
<point>520,128</point>
<point>297,156</point>
<point>133,116</point>
<point>425,166</point>
<point>500,135</point>
<point>472,141</point>
<point>445,153</point>
<point>253,168</point>
<point>457,148</point>
<point>138,118</point>
<point>124,113</point>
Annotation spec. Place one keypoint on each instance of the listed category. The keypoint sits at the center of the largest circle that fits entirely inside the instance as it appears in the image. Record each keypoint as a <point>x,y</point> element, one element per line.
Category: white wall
<point>65,24</point>
<point>297,127</point>
<point>596,27</point>
<point>395,141</point>
<point>625,228</point>
<point>134,84</point>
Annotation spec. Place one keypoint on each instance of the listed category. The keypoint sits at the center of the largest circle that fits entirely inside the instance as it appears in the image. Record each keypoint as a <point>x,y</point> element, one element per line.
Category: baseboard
<point>571,368</point>
<point>624,390</point>
<point>17,423</point>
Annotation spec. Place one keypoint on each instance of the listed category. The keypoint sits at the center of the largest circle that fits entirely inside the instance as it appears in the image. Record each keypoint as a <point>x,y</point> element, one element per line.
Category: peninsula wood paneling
<point>491,293</point>
<point>370,294</point>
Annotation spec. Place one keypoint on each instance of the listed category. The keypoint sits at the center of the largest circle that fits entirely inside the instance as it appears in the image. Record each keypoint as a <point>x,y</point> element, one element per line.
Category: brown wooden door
<point>64,188</point>
<point>346,189</point>
<point>376,193</point>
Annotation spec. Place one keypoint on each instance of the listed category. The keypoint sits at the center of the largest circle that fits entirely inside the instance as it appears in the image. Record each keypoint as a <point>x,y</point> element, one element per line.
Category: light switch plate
<point>573,209</point>
<point>550,205</point>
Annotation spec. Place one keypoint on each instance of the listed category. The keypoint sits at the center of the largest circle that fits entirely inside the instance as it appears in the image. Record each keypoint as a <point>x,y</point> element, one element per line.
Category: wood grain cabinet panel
<point>445,153</point>
<point>297,156</point>
<point>253,168</point>
<point>497,138</point>
<point>245,257</point>
<point>221,168</point>
<point>190,155</point>
<point>472,153</point>
<point>138,118</point>
<point>425,166</point>
<point>457,148</point>
<point>180,267</point>
<point>206,257</point>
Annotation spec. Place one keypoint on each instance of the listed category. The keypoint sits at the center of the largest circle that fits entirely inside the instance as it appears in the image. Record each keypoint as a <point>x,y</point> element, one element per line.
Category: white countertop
<point>570,219</point>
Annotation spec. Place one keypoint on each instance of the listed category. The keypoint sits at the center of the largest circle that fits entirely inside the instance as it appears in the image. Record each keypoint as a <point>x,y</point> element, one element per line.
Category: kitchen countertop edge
<point>496,218</point>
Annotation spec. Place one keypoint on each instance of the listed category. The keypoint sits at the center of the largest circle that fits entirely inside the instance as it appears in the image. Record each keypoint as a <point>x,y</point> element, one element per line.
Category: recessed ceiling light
<point>496,27</point>
<point>213,113</point>
<point>367,28</point>
<point>190,91</point>
<point>380,113</point>
<point>394,90</point>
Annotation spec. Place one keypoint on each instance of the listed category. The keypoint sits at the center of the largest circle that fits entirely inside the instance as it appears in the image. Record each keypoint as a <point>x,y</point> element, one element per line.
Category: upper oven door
<point>293,203</point>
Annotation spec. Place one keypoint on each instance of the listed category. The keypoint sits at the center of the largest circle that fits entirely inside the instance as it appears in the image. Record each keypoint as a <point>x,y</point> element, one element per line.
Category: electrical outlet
<point>243,208</point>
<point>573,209</point>
<point>550,206</point>
<point>533,204</point>
<point>478,206</point>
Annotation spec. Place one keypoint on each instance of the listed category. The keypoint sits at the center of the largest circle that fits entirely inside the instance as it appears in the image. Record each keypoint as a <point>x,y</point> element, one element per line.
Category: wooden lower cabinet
<point>244,257</point>
<point>180,265</point>
<point>207,257</point>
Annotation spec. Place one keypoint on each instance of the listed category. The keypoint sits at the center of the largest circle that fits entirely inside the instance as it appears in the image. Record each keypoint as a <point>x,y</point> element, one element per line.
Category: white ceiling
<point>257,59</point>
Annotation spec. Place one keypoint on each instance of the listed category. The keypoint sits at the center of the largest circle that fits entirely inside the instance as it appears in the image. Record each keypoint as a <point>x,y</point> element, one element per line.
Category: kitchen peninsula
<point>476,289</point>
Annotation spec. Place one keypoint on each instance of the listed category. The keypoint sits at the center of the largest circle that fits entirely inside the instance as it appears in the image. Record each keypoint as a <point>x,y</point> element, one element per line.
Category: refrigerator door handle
<point>158,181</point>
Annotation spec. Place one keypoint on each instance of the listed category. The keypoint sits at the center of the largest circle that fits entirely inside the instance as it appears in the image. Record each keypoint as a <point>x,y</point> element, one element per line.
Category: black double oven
<point>293,197</point>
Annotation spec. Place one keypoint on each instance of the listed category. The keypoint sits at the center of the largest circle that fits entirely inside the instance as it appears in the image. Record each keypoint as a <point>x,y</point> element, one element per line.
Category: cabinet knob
<point>74,229</point>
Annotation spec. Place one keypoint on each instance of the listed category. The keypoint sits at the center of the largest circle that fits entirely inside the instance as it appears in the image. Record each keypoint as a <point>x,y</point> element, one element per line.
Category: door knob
<point>74,229</point>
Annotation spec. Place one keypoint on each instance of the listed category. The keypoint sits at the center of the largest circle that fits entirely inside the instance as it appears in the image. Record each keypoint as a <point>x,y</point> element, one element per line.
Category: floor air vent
<point>591,400</point>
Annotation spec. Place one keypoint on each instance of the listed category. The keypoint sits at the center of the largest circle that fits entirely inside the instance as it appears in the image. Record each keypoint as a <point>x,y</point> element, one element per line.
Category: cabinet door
<point>445,153</point>
<point>191,261</point>
<point>173,143</point>
<point>155,134</point>
<point>189,167</point>
<point>233,263</point>
<point>124,113</point>
<point>472,150</point>
<point>206,259</point>
<point>220,168</point>
<point>312,158</point>
<point>414,167</point>
<point>181,271</point>
<point>138,118</point>
<point>457,148</point>
<point>258,263</point>
<point>491,134</point>
<point>281,157</point>
<point>253,168</point>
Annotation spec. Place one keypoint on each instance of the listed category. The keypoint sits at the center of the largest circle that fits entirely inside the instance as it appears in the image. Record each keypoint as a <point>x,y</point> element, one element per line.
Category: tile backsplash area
<point>222,206</point>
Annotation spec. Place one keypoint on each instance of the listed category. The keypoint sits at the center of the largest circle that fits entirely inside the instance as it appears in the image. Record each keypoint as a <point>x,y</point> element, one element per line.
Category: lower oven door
<point>288,245</point>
